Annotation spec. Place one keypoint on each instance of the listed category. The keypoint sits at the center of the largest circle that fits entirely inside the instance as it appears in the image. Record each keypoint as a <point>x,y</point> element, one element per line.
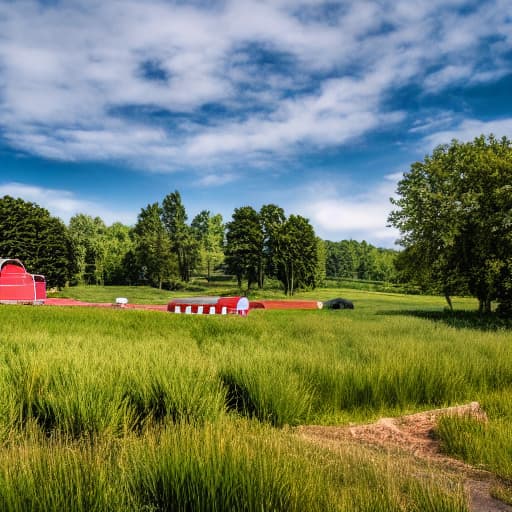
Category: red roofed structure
<point>210,306</point>
<point>17,286</point>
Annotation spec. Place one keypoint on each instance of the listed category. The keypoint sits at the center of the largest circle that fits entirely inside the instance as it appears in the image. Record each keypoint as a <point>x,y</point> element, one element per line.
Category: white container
<point>121,302</point>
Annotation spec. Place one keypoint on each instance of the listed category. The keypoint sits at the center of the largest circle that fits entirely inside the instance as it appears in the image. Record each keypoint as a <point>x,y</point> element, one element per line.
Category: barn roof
<point>3,261</point>
<point>196,300</point>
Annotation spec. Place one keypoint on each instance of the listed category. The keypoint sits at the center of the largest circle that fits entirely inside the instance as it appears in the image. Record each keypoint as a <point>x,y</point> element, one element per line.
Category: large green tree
<point>117,243</point>
<point>152,247</point>
<point>272,218</point>
<point>87,234</point>
<point>297,254</point>
<point>454,215</point>
<point>244,245</point>
<point>208,230</point>
<point>41,241</point>
<point>183,242</point>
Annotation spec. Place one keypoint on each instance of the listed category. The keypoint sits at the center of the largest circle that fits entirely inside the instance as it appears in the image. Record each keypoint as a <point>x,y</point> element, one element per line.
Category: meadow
<point>141,410</point>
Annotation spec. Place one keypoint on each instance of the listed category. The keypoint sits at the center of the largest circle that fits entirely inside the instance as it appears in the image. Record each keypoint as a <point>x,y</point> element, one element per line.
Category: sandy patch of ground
<point>412,435</point>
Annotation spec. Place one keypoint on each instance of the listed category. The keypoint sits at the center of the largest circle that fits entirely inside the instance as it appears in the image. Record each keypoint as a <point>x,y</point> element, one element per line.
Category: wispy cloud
<point>216,180</point>
<point>63,203</point>
<point>468,129</point>
<point>166,85</point>
<point>358,215</point>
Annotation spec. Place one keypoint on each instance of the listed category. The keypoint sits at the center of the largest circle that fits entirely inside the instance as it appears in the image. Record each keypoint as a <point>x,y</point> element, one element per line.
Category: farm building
<point>210,306</point>
<point>17,286</point>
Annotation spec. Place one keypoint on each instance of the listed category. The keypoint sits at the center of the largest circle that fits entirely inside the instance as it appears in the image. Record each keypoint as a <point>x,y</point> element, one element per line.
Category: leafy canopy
<point>454,212</point>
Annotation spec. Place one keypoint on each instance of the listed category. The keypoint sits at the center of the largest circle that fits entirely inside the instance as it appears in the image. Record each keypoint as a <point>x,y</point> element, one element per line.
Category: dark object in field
<point>338,304</point>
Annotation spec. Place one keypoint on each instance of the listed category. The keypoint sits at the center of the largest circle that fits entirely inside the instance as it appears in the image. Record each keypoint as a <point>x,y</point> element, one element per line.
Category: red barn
<point>17,286</point>
<point>210,306</point>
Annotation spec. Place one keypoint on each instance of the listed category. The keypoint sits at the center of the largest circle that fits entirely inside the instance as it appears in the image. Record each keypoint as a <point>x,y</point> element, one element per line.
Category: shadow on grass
<point>458,319</point>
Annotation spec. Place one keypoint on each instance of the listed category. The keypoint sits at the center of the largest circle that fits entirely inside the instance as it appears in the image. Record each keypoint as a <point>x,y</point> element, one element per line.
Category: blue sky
<point>316,106</point>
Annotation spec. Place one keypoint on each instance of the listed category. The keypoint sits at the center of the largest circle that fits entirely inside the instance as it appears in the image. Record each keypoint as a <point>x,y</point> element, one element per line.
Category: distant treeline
<point>164,250</point>
<point>349,259</point>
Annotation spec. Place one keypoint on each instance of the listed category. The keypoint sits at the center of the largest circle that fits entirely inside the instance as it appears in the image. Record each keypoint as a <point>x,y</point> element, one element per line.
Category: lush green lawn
<point>371,301</point>
<point>142,410</point>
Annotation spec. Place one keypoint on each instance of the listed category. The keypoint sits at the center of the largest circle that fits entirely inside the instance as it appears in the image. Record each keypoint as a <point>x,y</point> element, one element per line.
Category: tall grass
<point>69,383</point>
<point>280,367</point>
<point>487,444</point>
<point>152,411</point>
<point>268,391</point>
<point>224,466</point>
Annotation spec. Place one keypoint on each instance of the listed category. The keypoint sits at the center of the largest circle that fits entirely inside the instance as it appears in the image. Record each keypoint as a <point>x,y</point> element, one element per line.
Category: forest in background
<point>453,211</point>
<point>165,250</point>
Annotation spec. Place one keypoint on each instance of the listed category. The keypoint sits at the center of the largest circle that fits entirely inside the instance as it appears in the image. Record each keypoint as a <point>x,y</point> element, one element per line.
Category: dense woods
<point>164,250</point>
<point>42,242</point>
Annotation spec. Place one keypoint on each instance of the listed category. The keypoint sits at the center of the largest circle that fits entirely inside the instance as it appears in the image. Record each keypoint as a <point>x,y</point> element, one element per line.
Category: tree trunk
<point>449,301</point>
<point>484,305</point>
<point>291,280</point>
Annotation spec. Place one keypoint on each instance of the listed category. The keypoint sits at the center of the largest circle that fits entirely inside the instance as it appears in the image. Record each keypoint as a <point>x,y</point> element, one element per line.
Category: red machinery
<point>17,286</point>
<point>210,306</point>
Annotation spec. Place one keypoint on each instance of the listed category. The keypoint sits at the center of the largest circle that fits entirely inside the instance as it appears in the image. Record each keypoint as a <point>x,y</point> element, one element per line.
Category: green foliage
<point>244,245</point>
<point>117,244</point>
<point>296,254</point>
<point>272,218</point>
<point>268,244</point>
<point>87,234</point>
<point>40,241</point>
<point>153,255</point>
<point>321,258</point>
<point>183,243</point>
<point>359,260</point>
<point>454,216</point>
<point>208,230</point>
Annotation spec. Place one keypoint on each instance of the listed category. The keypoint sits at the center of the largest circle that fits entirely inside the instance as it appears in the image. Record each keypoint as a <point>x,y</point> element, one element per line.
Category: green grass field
<point>139,410</point>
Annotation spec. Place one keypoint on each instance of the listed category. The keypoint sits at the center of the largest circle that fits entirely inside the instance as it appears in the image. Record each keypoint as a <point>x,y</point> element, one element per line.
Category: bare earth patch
<point>412,435</point>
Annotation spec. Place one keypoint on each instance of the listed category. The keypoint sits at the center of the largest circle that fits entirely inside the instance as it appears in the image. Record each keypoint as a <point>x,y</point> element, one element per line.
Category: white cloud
<point>216,180</point>
<point>469,129</point>
<point>430,124</point>
<point>448,75</point>
<point>69,71</point>
<point>63,203</point>
<point>361,216</point>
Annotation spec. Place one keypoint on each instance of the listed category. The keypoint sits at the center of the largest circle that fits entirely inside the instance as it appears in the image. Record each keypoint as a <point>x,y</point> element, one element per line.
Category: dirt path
<point>74,302</point>
<point>413,435</point>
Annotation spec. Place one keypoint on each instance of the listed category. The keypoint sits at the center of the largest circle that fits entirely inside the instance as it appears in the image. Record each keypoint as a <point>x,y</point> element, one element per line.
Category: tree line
<point>453,210</point>
<point>164,250</point>
<point>350,259</point>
